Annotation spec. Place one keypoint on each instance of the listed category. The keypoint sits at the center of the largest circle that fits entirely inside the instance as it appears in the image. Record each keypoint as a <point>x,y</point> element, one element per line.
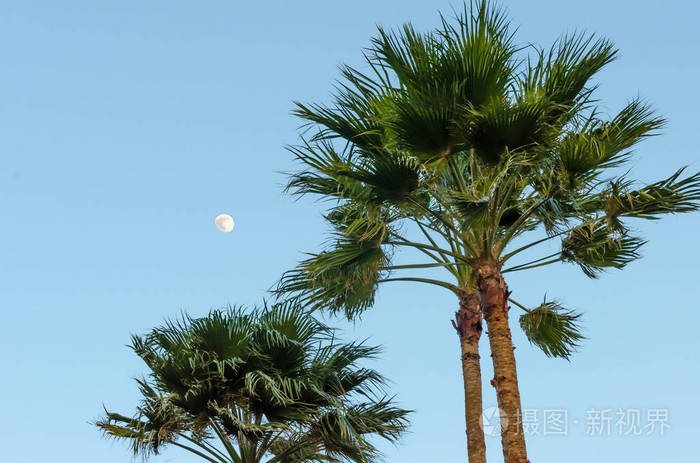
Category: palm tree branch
<point>440,218</point>
<point>447,265</point>
<point>513,229</point>
<point>197,452</point>
<point>432,241</point>
<point>216,453</point>
<point>442,284</point>
<point>225,441</point>
<point>541,264</point>
<point>510,299</point>
<point>527,264</point>
<point>404,242</point>
<point>552,328</point>
<point>534,243</point>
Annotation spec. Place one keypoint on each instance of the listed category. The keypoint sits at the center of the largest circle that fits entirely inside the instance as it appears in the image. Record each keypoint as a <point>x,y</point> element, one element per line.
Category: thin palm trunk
<point>493,297</point>
<point>468,325</point>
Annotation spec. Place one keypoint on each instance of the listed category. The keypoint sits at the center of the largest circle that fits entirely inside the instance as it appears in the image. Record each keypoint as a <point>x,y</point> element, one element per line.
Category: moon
<point>224,222</point>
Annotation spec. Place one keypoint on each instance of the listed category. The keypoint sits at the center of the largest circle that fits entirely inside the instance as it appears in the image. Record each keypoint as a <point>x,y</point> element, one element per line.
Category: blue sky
<point>128,126</point>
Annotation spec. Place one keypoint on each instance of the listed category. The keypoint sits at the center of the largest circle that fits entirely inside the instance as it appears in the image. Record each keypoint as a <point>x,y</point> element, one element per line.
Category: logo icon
<point>491,421</point>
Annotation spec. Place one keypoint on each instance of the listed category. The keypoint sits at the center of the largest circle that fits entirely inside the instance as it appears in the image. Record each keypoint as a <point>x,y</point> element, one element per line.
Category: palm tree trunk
<point>493,297</point>
<point>468,325</point>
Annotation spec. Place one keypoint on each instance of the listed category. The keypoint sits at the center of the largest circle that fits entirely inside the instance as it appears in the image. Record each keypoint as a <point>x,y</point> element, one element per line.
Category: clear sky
<point>126,127</point>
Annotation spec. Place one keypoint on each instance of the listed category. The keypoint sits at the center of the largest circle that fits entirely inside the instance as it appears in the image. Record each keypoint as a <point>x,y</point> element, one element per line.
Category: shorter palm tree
<point>266,385</point>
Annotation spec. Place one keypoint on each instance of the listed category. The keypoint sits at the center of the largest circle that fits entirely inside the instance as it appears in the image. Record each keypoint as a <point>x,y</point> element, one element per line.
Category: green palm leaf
<point>595,247</point>
<point>553,329</point>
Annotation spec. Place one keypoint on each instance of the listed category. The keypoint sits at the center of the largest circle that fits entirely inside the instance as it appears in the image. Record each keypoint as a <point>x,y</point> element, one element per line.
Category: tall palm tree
<point>270,385</point>
<point>488,150</point>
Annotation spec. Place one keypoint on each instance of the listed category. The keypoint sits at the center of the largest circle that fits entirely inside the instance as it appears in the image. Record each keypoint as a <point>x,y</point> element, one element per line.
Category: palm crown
<point>270,385</point>
<point>474,141</point>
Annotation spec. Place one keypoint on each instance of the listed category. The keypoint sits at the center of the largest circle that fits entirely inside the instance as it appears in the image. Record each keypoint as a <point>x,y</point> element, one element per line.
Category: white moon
<point>224,222</point>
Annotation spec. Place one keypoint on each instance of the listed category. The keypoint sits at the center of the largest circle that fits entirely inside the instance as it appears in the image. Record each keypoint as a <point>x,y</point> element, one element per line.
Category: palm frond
<point>323,174</point>
<point>553,329</point>
<point>669,196</point>
<point>563,74</point>
<point>343,278</point>
<point>504,127</point>
<point>157,423</point>
<point>594,247</point>
<point>387,177</point>
<point>599,145</point>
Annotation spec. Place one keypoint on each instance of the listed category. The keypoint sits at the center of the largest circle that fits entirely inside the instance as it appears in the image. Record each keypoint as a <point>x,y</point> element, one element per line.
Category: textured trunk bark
<point>493,297</point>
<point>468,325</point>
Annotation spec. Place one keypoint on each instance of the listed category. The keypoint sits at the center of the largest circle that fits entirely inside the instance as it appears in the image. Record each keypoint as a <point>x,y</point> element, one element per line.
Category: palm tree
<point>270,385</point>
<point>483,151</point>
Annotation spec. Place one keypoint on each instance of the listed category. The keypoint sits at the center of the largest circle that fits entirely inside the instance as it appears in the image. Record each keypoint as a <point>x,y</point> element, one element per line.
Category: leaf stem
<point>542,264</point>
<point>517,267</point>
<point>534,243</point>
<point>442,284</point>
